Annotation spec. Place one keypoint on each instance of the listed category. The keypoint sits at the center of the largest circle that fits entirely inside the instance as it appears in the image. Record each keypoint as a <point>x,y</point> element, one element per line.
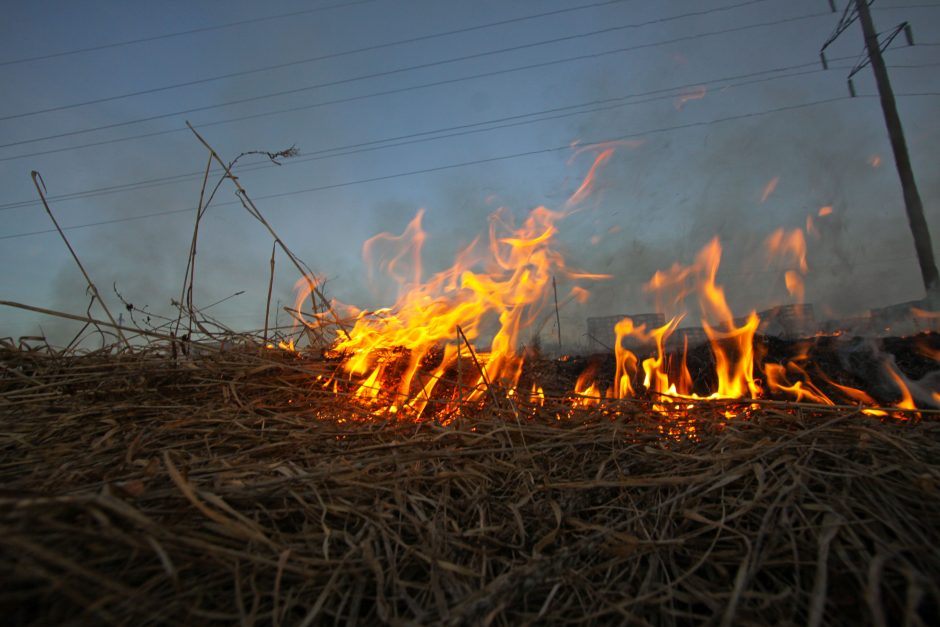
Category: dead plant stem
<point>37,179</point>
<point>256,213</point>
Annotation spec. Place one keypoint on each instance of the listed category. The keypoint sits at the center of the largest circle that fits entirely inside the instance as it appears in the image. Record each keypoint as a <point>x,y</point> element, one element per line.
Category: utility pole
<point>912,201</point>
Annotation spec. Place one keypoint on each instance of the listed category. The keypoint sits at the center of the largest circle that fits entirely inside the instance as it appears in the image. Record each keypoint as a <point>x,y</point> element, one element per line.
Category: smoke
<point>665,199</point>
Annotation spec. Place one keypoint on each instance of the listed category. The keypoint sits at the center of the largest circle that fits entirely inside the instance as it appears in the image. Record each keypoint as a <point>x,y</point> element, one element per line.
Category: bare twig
<point>189,276</point>
<point>476,362</point>
<point>267,302</point>
<point>37,179</point>
<point>557,315</point>
<point>256,213</point>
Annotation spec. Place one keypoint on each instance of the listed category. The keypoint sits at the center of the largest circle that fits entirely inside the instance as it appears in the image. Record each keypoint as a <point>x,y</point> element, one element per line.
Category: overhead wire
<point>469,163</point>
<point>323,57</point>
<point>906,6</point>
<point>191,31</point>
<point>396,90</point>
<point>356,148</point>
<point>451,166</point>
<point>385,73</point>
<point>532,117</point>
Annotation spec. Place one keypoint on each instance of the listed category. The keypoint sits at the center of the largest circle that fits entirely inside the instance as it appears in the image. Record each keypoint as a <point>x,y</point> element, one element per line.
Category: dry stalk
<point>189,275</point>
<point>37,180</point>
<point>252,209</point>
<point>267,303</point>
<point>234,488</point>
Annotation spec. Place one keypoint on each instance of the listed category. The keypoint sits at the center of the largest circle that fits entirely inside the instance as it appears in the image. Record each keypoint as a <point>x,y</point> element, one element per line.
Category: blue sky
<point>505,99</point>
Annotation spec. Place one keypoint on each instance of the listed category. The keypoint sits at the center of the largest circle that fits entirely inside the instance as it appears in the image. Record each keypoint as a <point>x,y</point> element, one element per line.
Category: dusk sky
<point>457,108</point>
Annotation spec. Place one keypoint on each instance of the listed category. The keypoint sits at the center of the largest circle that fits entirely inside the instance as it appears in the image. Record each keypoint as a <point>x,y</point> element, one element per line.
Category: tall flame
<point>500,289</point>
<point>732,343</point>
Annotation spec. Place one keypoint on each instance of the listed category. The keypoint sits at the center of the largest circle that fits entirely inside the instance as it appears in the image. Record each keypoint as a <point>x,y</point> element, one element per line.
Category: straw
<point>231,487</point>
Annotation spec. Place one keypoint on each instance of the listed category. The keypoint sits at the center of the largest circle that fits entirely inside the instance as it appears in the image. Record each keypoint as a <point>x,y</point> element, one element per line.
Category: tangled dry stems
<point>139,489</point>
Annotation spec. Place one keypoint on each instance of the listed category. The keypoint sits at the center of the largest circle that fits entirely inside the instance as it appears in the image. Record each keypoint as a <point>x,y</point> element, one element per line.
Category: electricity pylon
<point>858,10</point>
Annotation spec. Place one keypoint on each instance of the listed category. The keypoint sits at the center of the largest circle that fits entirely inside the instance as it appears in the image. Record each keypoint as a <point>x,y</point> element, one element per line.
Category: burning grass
<point>139,488</point>
<point>410,474</point>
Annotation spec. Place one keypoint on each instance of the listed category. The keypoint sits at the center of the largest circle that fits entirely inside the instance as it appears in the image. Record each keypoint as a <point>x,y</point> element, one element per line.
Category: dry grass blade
<point>142,489</point>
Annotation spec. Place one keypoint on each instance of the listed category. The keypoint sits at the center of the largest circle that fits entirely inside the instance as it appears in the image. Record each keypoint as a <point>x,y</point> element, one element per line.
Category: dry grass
<point>139,489</point>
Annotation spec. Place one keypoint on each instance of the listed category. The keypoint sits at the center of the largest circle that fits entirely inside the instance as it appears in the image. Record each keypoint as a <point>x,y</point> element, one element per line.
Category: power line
<point>191,31</point>
<point>384,73</point>
<point>911,66</point>
<point>554,113</point>
<point>323,57</point>
<point>907,6</point>
<point>475,162</point>
<point>452,166</point>
<point>399,90</point>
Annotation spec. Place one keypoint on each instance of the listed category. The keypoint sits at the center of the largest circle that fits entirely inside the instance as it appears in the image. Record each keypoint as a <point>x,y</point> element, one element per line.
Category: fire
<point>587,185</point>
<point>537,395</point>
<point>791,248</point>
<point>626,361</point>
<point>769,189</point>
<point>927,321</point>
<point>586,390</point>
<point>696,93</point>
<point>802,390</point>
<point>406,251</point>
<point>456,335</point>
<point>731,343</point>
<point>669,379</point>
<point>502,287</point>
<point>906,401</point>
<point>604,150</point>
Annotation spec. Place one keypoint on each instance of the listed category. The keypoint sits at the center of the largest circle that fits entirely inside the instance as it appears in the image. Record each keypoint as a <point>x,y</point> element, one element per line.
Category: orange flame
<point>396,357</point>
<point>696,93</point>
<point>731,343</point>
<point>587,185</point>
<point>927,351</point>
<point>769,189</point>
<point>537,395</point>
<point>585,389</point>
<point>626,360</point>
<point>790,247</point>
<point>503,287</point>
<point>406,250</point>
<point>927,321</point>
<point>907,401</point>
<point>802,390</point>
